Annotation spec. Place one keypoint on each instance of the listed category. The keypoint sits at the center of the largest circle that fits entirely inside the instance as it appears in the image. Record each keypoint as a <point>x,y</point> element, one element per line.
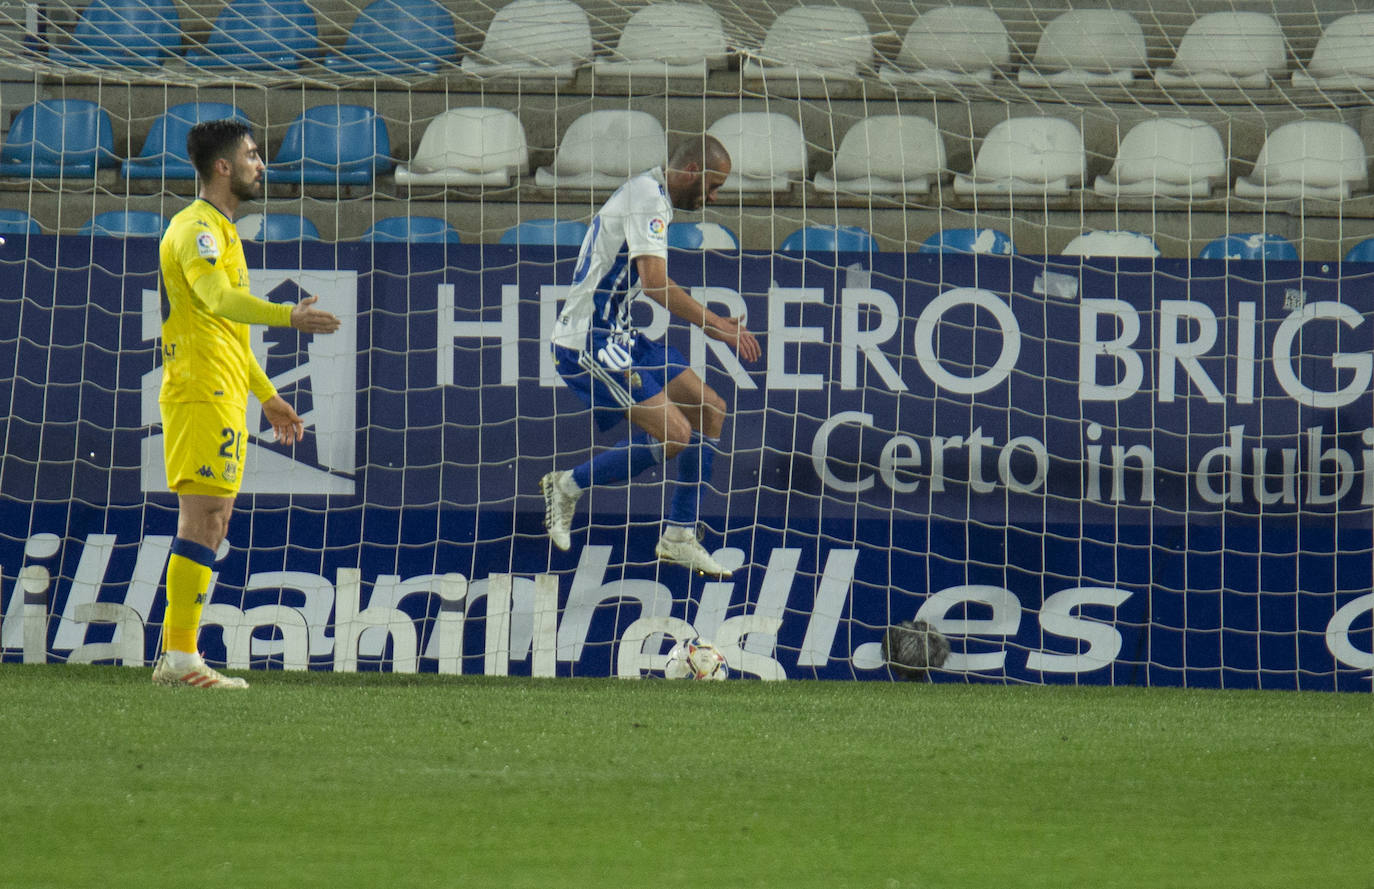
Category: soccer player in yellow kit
<point>208,370</point>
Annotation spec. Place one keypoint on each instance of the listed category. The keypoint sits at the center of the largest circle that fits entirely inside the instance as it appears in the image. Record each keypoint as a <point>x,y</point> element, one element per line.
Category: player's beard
<point>247,188</point>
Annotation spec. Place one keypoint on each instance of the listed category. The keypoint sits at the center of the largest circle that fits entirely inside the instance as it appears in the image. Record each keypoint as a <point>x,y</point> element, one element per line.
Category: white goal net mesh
<point>1064,309</point>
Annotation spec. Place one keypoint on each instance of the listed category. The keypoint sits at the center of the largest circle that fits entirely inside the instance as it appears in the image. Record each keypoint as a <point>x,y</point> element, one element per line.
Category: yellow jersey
<point>206,356</point>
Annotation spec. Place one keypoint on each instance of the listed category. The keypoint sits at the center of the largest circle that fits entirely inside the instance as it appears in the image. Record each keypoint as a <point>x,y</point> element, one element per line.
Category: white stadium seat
<point>1228,49</point>
<point>1166,157</point>
<point>534,39</point>
<point>1088,46</point>
<point>767,151</point>
<point>1344,57</point>
<point>951,44</point>
<point>1111,243</point>
<point>1027,155</point>
<point>669,40</point>
<point>886,154</point>
<point>601,149</point>
<point>814,42</point>
<point>1308,159</point>
<point>469,146</point>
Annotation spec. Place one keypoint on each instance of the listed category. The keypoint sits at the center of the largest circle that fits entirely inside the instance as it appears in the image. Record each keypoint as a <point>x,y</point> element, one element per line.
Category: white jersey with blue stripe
<point>633,222</point>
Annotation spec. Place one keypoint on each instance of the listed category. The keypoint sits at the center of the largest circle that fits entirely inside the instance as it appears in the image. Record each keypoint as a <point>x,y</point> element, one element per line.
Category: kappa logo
<point>316,374</point>
<point>205,472</point>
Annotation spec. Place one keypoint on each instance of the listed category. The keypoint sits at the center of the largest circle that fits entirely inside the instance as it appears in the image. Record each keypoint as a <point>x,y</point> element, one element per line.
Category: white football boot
<point>189,668</point>
<point>680,546</point>
<point>559,507</point>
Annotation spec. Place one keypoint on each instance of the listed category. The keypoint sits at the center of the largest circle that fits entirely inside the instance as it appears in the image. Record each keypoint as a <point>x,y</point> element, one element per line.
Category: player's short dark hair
<point>210,140</point>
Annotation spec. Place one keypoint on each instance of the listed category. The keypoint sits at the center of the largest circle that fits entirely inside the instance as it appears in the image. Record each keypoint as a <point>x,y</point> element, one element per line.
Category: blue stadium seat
<point>125,224</point>
<point>164,151</point>
<point>333,145</point>
<point>1361,252</point>
<point>968,240</point>
<point>1249,246</point>
<point>412,229</point>
<point>123,33</point>
<point>398,37</point>
<point>58,137</point>
<point>701,236</point>
<point>828,238</point>
<point>261,35</point>
<point>18,222</point>
<point>558,232</point>
<point>276,227</point>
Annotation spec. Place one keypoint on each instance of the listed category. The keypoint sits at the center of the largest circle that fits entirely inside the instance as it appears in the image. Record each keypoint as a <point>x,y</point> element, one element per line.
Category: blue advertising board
<point>1144,472</point>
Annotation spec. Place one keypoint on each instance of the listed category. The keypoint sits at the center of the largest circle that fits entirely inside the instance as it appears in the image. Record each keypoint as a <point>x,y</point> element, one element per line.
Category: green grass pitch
<point>368,780</point>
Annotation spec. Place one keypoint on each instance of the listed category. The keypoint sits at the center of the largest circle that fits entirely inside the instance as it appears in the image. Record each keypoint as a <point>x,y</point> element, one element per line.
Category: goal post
<point>1064,312</point>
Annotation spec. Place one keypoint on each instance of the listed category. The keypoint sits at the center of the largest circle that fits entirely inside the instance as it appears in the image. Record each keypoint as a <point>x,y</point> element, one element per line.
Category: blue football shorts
<point>619,370</point>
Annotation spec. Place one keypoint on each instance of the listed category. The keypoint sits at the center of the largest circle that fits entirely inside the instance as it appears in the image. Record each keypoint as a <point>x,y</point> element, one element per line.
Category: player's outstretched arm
<point>308,319</point>
<point>654,280</point>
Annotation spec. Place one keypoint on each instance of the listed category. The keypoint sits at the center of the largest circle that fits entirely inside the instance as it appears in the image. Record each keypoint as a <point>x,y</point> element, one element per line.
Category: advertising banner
<point>1125,472</point>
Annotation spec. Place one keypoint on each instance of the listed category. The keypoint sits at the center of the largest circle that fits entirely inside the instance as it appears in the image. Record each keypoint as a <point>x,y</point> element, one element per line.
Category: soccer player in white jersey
<point>621,373</point>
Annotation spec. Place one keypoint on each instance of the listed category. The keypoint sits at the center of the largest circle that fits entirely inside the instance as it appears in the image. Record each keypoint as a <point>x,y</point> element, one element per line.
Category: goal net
<point>1064,314</point>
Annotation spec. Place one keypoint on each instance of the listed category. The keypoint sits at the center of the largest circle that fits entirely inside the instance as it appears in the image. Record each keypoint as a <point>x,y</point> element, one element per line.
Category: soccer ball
<point>696,659</point>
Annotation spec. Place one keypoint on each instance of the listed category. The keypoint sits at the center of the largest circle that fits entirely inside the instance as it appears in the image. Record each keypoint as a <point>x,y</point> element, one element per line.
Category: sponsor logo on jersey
<point>206,246</point>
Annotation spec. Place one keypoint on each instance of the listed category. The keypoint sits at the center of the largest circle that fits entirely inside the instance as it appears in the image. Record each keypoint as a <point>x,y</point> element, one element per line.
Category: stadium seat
<point>968,240</point>
<point>398,37</point>
<point>1087,46</point>
<point>276,227</point>
<point>1027,155</point>
<point>333,145</point>
<point>701,236</point>
<point>164,150</point>
<point>18,222</point>
<point>1361,252</point>
<point>534,38</point>
<point>951,44</point>
<point>813,42</point>
<point>412,230</point>
<point>123,34</point>
<point>1171,156</point>
<point>602,148</point>
<point>556,232</point>
<point>1249,246</point>
<point>767,151</point>
<point>886,154</point>
<point>469,146</point>
<point>1308,159</point>
<point>1227,49</point>
<point>1111,243</point>
<point>669,40</point>
<point>125,224</point>
<point>828,239</point>
<point>261,35</point>
<point>58,137</point>
<point>1344,57</point>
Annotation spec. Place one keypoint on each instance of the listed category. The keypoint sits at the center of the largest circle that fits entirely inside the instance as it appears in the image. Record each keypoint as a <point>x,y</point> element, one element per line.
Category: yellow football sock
<point>188,576</point>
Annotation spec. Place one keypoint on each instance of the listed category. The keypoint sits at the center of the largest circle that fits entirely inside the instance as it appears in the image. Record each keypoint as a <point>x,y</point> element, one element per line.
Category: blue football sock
<point>621,463</point>
<point>693,474</point>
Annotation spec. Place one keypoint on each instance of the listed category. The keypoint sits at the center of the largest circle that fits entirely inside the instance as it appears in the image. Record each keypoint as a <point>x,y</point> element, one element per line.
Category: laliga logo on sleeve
<point>206,246</point>
<point>657,227</point>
